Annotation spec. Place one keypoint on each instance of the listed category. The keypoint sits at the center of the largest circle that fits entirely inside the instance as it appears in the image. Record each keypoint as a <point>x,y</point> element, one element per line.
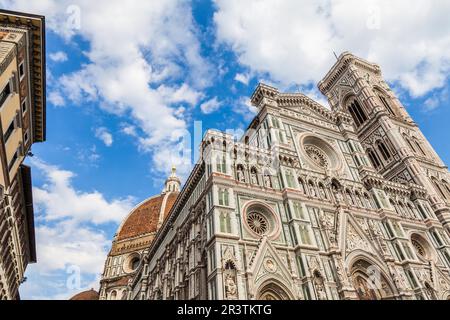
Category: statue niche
<point>230,283</point>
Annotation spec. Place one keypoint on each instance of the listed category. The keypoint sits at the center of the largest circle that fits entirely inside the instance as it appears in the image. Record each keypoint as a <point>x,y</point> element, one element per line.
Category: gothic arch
<point>439,188</point>
<point>356,110</point>
<point>361,266</point>
<point>274,290</point>
<point>385,99</point>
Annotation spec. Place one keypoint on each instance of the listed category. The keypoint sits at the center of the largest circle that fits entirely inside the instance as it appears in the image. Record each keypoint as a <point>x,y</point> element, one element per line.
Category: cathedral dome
<point>147,216</point>
<point>86,295</point>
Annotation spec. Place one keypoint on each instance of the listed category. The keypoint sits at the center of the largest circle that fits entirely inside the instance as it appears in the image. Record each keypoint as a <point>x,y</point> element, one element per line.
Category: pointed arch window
<point>224,197</point>
<point>312,189</point>
<point>386,105</point>
<point>225,222</point>
<point>419,146</point>
<point>350,197</point>
<point>302,185</point>
<point>221,163</point>
<point>357,113</point>
<point>304,234</point>
<point>374,159</point>
<point>409,143</point>
<point>289,179</point>
<point>439,188</point>
<point>322,191</point>
<point>447,187</point>
<point>384,150</point>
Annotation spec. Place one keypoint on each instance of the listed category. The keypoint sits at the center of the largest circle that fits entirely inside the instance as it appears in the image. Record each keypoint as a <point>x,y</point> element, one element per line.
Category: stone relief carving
<point>355,241</point>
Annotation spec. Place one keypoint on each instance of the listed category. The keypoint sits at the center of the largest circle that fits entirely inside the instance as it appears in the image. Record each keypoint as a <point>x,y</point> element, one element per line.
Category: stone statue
<point>254,178</point>
<point>267,181</point>
<point>240,174</point>
<point>230,287</point>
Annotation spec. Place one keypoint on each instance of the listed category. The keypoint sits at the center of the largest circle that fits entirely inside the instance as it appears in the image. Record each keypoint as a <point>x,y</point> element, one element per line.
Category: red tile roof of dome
<point>86,295</point>
<point>144,218</point>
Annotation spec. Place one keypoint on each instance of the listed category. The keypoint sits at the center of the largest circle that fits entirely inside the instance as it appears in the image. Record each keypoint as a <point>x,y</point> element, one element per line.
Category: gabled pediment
<point>268,264</point>
<point>356,237</point>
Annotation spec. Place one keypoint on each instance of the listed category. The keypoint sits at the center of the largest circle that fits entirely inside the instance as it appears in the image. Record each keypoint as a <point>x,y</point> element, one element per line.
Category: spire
<point>173,183</point>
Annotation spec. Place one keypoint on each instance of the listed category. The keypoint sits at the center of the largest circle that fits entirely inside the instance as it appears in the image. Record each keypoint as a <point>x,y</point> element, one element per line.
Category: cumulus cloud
<point>210,106</point>
<point>244,108</point>
<point>59,56</point>
<point>70,234</point>
<point>60,200</point>
<point>56,99</point>
<point>243,78</point>
<point>104,135</point>
<point>293,41</point>
<point>144,61</point>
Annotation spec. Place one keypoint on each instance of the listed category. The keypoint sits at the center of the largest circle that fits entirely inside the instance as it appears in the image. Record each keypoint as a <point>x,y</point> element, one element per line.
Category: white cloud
<point>104,135</point>
<point>56,99</point>
<point>436,100</point>
<point>244,108</point>
<point>60,200</point>
<point>294,41</point>
<point>243,78</point>
<point>70,233</point>
<point>59,56</point>
<point>135,46</point>
<point>210,106</point>
<point>129,130</point>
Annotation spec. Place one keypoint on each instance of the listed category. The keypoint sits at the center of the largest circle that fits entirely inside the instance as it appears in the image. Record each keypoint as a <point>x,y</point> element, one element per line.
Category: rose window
<point>317,156</point>
<point>258,223</point>
<point>419,249</point>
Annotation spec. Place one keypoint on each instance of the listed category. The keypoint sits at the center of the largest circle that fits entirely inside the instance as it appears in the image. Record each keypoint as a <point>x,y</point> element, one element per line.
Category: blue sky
<point>126,81</point>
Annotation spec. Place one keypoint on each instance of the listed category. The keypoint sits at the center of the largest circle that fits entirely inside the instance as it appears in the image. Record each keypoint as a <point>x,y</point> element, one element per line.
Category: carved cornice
<point>339,68</point>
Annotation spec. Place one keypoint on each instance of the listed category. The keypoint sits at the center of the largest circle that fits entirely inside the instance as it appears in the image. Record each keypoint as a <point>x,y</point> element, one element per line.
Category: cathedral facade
<point>311,204</point>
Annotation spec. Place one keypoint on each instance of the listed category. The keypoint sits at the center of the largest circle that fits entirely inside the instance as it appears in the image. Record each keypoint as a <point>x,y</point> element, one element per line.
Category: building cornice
<point>35,25</point>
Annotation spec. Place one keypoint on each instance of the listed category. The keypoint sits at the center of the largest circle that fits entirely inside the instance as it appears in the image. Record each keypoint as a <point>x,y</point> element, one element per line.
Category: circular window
<point>259,219</point>
<point>131,263</point>
<point>319,153</point>
<point>317,156</point>
<point>258,223</point>
<point>422,248</point>
<point>419,248</point>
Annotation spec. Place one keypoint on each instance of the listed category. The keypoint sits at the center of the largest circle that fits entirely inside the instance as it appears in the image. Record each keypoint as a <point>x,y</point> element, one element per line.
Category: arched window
<point>254,176</point>
<point>408,140</point>
<point>357,113</point>
<point>412,210</point>
<point>113,295</point>
<point>419,146</point>
<point>224,197</point>
<point>383,150</point>
<point>289,179</point>
<point>312,189</point>
<point>225,222</point>
<point>374,159</point>
<point>386,105</point>
<point>402,209</point>
<point>221,163</point>
<point>301,183</point>
<point>439,188</point>
<point>447,187</point>
<point>322,191</point>
<point>368,201</point>
<point>350,197</point>
<point>394,206</point>
<point>358,199</point>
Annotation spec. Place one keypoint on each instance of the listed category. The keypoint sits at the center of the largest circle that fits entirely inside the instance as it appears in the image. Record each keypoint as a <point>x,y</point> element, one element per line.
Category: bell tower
<point>393,142</point>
